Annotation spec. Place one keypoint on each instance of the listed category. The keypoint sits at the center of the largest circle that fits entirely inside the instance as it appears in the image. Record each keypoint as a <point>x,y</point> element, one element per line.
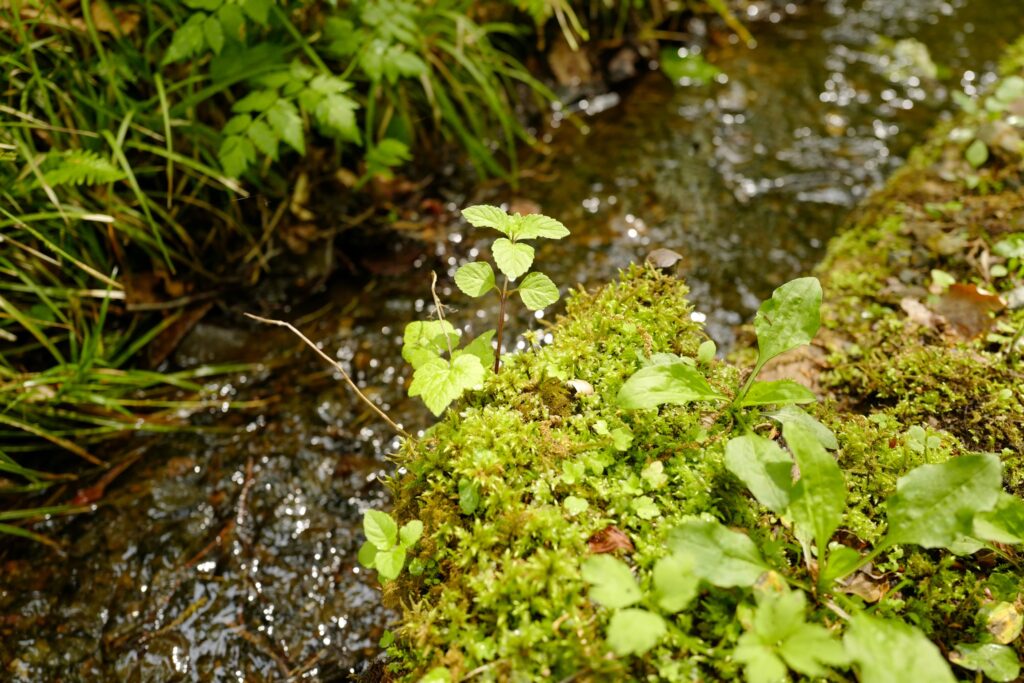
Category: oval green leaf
<point>513,259</point>
<point>380,529</point>
<point>676,383</point>
<point>789,319</point>
<point>475,279</point>
<point>538,291</point>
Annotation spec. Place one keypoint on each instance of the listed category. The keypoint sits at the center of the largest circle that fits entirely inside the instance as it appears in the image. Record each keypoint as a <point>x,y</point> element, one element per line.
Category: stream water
<point>230,554</point>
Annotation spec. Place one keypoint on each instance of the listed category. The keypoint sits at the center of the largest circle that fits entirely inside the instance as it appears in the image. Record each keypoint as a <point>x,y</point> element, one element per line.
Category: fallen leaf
<point>865,585</point>
<point>967,307</point>
<point>115,21</point>
<point>610,539</point>
<point>664,258</point>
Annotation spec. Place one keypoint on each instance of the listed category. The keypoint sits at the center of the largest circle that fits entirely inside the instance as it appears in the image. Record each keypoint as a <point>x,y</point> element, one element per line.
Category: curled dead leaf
<point>664,258</point>
<point>967,308</point>
<point>866,585</point>
<point>610,539</point>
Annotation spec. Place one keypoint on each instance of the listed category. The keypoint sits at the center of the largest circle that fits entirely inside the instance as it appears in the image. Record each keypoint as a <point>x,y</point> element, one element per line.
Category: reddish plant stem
<point>501,325</point>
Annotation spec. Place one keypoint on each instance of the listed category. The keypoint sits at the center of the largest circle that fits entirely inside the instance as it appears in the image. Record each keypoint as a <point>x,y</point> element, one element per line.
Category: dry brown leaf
<point>967,308</point>
<point>610,539</point>
<point>118,21</point>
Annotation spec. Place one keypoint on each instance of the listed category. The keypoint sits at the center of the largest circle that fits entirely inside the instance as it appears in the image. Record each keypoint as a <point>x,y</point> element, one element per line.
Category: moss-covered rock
<point>524,480</point>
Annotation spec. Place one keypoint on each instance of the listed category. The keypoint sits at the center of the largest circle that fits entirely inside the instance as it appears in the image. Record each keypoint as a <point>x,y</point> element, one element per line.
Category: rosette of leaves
<point>513,257</point>
<point>386,544</point>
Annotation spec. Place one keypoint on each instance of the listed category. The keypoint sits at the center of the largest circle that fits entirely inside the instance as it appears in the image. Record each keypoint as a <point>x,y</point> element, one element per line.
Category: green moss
<point>514,483</point>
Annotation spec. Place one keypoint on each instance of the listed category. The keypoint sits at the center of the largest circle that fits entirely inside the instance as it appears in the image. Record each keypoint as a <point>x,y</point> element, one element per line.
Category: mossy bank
<point>525,480</point>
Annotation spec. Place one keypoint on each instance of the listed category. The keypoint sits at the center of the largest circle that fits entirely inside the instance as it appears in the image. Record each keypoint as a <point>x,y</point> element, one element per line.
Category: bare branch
<point>337,366</point>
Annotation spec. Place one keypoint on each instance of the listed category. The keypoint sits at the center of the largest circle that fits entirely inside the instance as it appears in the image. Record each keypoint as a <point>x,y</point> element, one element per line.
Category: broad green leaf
<point>781,636</point>
<point>263,137</point>
<point>336,116</point>
<point>645,507</point>
<point>256,101</point>
<point>411,532</point>
<point>438,674</point>
<point>764,467</point>
<point>367,554</point>
<point>793,414</point>
<point>722,557</point>
<point>675,583</point>
<point>760,663</point>
<point>810,648</point>
<point>284,118</point>
<point>214,33</point>
<point>676,383</point>
<point>818,500</point>
<point>481,348</point>
<point>535,225</point>
<point>236,153</point>
<point>475,279</point>
<point>231,21</point>
<point>388,563</point>
<point>997,662</point>
<point>634,631</point>
<point>778,392</point>
<point>513,259</point>
<point>440,382</point>
<point>206,5</point>
<point>934,505</point>
<point>380,529</point>
<point>790,318</point>
<point>1004,523</point>
<point>889,651</point>
<point>977,154</point>
<point>706,352</point>
<point>537,291</point>
<point>484,216</point>
<point>188,40</point>
<point>611,582</point>
<point>257,10</point>
<point>424,340</point>
<point>237,124</point>
<point>574,505</point>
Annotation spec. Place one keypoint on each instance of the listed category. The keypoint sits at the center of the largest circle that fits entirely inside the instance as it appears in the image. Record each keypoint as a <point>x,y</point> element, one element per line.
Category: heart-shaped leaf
<point>538,291</point>
<point>513,259</point>
<point>475,279</point>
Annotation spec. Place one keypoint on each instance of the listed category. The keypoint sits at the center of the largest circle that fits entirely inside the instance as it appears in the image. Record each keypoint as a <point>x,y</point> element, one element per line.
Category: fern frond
<point>80,167</point>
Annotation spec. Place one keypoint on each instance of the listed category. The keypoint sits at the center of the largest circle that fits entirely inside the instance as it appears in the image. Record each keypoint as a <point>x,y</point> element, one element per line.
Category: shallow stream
<point>230,555</point>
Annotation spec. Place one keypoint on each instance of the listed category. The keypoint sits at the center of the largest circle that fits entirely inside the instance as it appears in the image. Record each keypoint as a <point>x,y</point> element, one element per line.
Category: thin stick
<point>439,309</point>
<point>337,366</point>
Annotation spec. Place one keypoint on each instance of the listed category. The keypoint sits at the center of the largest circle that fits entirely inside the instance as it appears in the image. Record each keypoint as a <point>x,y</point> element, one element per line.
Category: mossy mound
<point>524,482</point>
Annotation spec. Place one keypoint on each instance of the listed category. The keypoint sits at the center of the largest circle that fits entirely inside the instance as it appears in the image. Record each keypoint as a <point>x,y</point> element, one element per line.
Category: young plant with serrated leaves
<point>513,258</point>
<point>789,319</point>
<point>436,379</point>
<point>386,544</point>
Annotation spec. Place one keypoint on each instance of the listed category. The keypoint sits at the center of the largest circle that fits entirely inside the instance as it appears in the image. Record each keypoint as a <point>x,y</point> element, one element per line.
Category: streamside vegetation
<point>156,156</point>
<point>844,500</point>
